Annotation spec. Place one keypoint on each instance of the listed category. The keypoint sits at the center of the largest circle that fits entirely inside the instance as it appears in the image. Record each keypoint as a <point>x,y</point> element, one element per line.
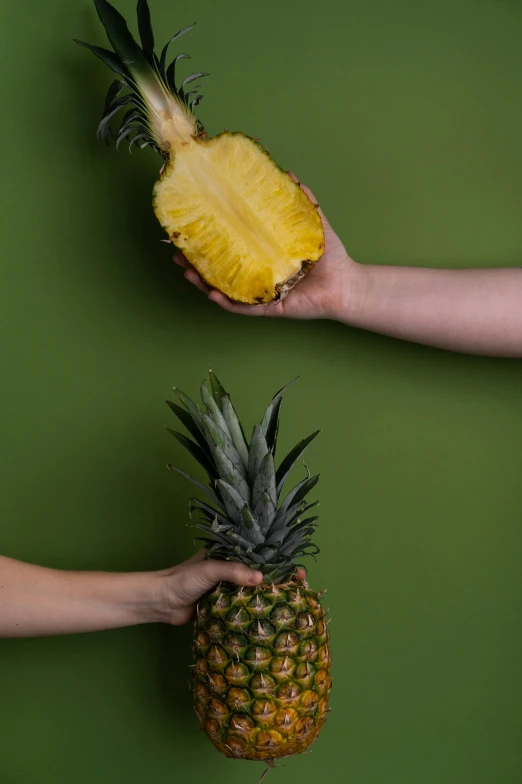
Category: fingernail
<point>254,576</point>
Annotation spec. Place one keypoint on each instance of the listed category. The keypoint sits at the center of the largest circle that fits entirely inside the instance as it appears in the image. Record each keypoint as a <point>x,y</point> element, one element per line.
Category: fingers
<point>310,195</point>
<point>304,188</point>
<point>190,273</point>
<point>217,571</point>
<point>243,574</point>
<point>192,276</point>
<point>217,296</point>
<point>200,555</point>
<point>180,260</point>
<point>196,576</point>
<point>229,571</point>
<point>236,307</point>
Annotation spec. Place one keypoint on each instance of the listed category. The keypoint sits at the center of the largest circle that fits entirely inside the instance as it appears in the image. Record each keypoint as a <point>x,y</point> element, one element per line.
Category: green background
<point>406,120</point>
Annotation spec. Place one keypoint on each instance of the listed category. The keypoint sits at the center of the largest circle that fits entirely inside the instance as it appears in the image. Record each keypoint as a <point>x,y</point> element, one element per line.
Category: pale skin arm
<point>475,311</point>
<point>36,601</point>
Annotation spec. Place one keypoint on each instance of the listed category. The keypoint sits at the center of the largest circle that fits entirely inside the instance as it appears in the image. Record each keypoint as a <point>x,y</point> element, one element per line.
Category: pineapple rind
<point>244,224</point>
<point>261,679</point>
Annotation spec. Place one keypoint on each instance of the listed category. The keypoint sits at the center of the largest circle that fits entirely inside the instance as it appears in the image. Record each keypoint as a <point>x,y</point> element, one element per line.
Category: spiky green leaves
<point>291,459</point>
<point>145,30</point>
<point>152,83</point>
<point>249,522</point>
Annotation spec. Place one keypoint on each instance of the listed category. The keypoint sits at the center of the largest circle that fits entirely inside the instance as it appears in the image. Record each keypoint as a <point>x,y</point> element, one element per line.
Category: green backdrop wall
<point>406,119</point>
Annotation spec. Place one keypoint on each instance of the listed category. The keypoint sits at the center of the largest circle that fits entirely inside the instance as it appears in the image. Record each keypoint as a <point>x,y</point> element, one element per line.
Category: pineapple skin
<point>261,678</point>
<point>242,222</point>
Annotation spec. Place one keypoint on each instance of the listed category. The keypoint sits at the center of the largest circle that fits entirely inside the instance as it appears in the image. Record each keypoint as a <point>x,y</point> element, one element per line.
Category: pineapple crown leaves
<point>151,82</point>
<point>247,519</point>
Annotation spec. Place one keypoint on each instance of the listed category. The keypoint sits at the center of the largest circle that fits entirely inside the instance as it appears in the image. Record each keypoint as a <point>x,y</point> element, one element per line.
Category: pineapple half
<point>244,224</point>
<point>261,679</point>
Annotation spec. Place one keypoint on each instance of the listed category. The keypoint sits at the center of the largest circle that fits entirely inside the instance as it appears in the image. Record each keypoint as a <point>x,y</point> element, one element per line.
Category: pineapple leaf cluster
<point>149,78</point>
<point>247,519</point>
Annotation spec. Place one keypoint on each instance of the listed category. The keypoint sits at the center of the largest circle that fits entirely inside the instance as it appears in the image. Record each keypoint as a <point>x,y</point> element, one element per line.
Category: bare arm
<point>36,601</point>
<point>472,311</point>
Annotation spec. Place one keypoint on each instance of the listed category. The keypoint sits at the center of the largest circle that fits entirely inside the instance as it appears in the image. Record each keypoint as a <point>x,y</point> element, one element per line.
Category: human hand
<point>182,586</point>
<point>326,292</point>
<point>38,602</point>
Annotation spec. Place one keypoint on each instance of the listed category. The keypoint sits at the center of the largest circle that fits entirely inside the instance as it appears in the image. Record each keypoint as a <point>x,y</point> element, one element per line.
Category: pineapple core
<point>244,224</point>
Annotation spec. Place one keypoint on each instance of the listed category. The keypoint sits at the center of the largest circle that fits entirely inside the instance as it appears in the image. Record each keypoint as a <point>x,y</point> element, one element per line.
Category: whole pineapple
<point>262,656</point>
<point>242,222</point>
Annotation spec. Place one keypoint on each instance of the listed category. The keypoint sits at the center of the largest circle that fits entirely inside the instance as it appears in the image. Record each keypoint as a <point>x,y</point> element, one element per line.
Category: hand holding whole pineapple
<point>177,590</point>
<point>262,656</point>
<point>242,223</point>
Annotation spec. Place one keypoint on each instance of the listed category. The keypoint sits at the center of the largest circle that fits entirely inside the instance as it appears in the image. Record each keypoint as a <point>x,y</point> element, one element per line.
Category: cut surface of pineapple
<point>242,223</point>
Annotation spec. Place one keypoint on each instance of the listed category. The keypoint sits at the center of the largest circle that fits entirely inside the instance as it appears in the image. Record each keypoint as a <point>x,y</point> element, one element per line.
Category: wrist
<point>149,599</point>
<point>349,300</point>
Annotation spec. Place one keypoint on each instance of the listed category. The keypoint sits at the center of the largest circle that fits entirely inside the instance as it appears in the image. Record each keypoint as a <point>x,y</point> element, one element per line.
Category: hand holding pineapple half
<point>261,678</point>
<point>247,228</point>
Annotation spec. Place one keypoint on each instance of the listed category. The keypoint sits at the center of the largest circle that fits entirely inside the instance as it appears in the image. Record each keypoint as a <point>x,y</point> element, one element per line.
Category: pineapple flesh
<point>243,223</point>
<point>261,677</point>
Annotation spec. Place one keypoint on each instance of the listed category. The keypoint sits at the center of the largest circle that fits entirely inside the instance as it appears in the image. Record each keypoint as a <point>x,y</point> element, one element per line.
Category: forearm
<point>471,311</point>
<point>36,601</point>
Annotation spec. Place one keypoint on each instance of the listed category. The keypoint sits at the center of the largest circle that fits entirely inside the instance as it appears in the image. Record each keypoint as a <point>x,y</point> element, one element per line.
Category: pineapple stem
<point>164,116</point>
<point>270,766</point>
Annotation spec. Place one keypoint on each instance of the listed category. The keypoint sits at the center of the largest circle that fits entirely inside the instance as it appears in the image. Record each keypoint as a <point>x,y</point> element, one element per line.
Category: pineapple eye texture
<point>280,701</point>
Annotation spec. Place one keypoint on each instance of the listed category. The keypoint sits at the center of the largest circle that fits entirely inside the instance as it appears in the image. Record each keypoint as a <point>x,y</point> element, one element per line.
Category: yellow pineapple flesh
<point>245,225</point>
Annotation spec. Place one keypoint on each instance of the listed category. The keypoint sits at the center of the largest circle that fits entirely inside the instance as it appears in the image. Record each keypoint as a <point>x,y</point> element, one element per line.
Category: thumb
<point>209,573</point>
